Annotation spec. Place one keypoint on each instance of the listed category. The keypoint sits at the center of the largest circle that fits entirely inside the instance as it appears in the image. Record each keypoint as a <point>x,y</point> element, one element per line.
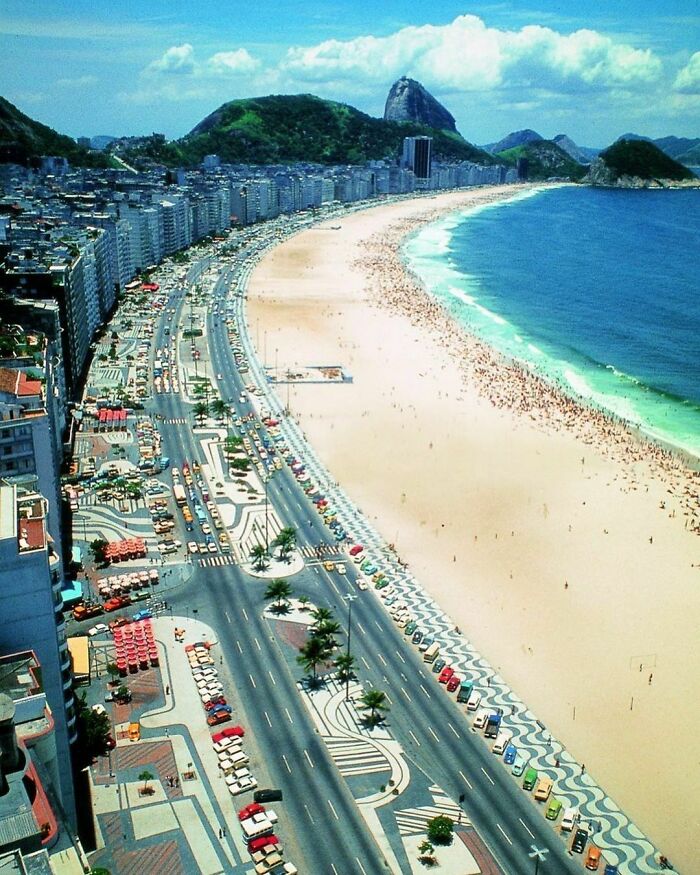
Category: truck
<point>493,725</point>
<point>431,653</point>
<point>465,691</point>
<point>179,493</point>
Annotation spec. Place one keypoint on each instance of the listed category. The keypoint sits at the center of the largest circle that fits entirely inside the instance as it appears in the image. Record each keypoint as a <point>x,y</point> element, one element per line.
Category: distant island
<point>636,164</point>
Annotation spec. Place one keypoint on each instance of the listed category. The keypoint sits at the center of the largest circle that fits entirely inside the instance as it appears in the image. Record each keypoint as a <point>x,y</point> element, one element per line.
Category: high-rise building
<point>31,608</point>
<point>417,152</point>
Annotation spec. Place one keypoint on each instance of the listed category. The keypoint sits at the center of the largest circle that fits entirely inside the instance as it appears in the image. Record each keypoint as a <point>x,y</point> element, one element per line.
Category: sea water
<point>597,289</point>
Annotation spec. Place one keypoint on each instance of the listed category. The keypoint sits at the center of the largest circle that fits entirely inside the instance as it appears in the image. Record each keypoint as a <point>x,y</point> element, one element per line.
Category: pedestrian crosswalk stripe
<point>180,420</point>
<point>216,560</point>
<point>415,820</point>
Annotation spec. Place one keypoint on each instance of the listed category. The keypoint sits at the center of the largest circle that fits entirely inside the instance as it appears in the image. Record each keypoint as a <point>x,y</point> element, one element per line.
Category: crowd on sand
<point>515,386</point>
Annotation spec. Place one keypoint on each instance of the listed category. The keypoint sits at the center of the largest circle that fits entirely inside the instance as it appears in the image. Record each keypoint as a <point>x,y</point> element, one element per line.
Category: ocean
<point>597,289</point>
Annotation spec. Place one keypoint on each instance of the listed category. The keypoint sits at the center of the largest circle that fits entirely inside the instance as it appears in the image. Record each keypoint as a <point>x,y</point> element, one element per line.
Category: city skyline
<point>592,73</point>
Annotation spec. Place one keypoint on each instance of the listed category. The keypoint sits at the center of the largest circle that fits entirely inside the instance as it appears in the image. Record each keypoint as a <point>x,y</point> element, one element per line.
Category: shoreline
<point>557,583</point>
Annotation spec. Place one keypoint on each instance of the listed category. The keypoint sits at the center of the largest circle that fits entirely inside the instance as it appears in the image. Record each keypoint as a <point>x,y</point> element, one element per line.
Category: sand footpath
<point>560,548</point>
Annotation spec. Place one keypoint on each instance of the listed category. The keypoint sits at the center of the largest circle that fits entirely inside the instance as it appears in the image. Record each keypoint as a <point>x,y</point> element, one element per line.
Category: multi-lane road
<point>433,732</point>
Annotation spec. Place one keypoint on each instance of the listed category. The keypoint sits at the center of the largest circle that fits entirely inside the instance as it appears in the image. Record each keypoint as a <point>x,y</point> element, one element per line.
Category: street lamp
<point>349,599</point>
<point>267,539</point>
<point>538,854</point>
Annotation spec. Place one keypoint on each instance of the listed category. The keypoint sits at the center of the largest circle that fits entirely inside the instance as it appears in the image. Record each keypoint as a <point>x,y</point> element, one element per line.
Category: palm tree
<point>312,654</point>
<point>145,776</point>
<point>286,541</point>
<point>201,410</point>
<point>374,701</point>
<point>220,408</point>
<point>303,601</point>
<point>321,614</point>
<point>345,662</point>
<point>259,556</point>
<point>280,591</point>
<point>325,630</point>
<point>232,444</point>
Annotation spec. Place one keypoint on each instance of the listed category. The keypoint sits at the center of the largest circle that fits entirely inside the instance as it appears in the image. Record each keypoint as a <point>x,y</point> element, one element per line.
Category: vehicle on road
<point>553,809</point>
<point>519,765</point>
<point>438,665</point>
<point>578,845</point>
<point>329,566</point>
<point>493,724</point>
<point>340,568</point>
<point>529,778</point>
<point>543,788</point>
<point>87,611</point>
<point>569,819</point>
<point>267,796</point>
<point>192,547</point>
<point>98,629</point>
<point>510,754</point>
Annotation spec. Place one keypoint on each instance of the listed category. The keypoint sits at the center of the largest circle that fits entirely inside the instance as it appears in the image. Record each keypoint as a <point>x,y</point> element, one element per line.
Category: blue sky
<point>590,69</point>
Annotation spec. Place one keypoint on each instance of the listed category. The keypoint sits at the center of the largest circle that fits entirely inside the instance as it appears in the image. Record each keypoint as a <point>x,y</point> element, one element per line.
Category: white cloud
<point>238,61</point>
<point>466,55</point>
<point>77,82</point>
<point>177,59</point>
<point>688,79</point>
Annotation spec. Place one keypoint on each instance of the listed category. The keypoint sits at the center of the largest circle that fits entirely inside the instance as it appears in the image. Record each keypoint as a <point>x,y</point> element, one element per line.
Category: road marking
<point>466,780</point>
<point>453,729</point>
<point>272,678</point>
<point>400,657</point>
<point>334,869</point>
<point>335,587</point>
<point>268,719</point>
<point>228,619</point>
<point>244,614</point>
<point>382,658</point>
<point>333,810</point>
<point>238,645</point>
<point>361,628</point>
<point>379,626</point>
<point>306,754</point>
<point>364,871</point>
<point>286,764</point>
<point>430,730</point>
<point>309,813</point>
<point>405,694</point>
<point>425,691</point>
<point>388,698</point>
<point>526,827</point>
<point>414,737</point>
<point>503,834</point>
<point>365,661</point>
<point>252,680</point>
<point>488,776</point>
<point>257,644</point>
<point>289,716</point>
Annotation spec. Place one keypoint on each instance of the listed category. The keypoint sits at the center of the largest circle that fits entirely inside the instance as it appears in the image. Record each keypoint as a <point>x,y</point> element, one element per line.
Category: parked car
<point>212,703</point>
<point>218,717</point>
<point>510,754</point>
<point>221,709</point>
<point>593,858</point>
<point>445,674</point>
<point>229,732</point>
<point>453,683</point>
<point>438,665</point>
<point>250,809</point>
<point>580,839</point>
<point>98,629</point>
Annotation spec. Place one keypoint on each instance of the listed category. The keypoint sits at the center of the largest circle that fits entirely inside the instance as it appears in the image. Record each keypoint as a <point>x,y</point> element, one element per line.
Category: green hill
<point>25,141</point>
<point>545,160</point>
<point>642,159</point>
<point>290,128</point>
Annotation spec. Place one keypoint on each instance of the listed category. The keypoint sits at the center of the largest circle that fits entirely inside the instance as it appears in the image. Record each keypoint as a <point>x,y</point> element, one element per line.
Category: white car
<point>361,584</point>
<point>236,787</point>
<point>98,629</point>
<point>219,376</point>
<point>212,547</point>
<point>340,568</point>
<point>192,547</point>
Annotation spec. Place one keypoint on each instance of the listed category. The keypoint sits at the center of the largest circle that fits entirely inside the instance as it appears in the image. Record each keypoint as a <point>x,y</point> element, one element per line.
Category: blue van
<point>510,754</point>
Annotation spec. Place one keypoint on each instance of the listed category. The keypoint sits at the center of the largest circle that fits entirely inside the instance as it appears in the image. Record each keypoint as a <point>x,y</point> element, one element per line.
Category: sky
<point>593,69</point>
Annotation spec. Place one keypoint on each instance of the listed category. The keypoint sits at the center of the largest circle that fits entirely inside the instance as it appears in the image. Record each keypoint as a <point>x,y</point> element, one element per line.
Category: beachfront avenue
<point>436,740</point>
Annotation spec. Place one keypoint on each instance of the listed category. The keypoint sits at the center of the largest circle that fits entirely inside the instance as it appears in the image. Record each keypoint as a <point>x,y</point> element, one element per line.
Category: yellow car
<point>134,731</point>
<point>329,566</point>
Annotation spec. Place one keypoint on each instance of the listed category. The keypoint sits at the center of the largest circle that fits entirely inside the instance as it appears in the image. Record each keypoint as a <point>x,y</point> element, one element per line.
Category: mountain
<point>682,149</point>
<point>288,128</point>
<point>24,141</point>
<point>512,140</point>
<point>545,159</point>
<point>635,161</point>
<point>409,101</point>
<point>582,154</point>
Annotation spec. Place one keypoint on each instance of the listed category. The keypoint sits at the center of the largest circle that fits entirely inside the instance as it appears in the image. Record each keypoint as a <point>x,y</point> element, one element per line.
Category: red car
<point>117,622</point>
<point>229,732</point>
<point>258,844</point>
<point>453,683</point>
<point>218,717</point>
<point>250,810</point>
<point>212,702</point>
<point>358,548</point>
<point>445,674</point>
<point>113,604</point>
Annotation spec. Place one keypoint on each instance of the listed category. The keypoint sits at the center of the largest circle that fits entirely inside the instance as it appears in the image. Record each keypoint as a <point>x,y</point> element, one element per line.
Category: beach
<point>564,549</point>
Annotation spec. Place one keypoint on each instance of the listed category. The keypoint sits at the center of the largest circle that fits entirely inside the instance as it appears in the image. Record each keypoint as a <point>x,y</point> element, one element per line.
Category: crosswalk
<point>412,821</point>
<point>211,561</point>
<point>357,756</point>
<point>328,551</point>
<point>180,420</point>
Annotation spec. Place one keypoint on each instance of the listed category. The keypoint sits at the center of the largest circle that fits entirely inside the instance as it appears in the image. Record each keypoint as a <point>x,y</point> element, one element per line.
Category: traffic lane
<point>303,747</point>
<point>431,716</point>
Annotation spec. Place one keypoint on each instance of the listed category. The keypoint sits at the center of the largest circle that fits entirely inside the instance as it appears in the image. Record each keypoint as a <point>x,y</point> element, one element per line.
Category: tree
<point>374,702</point>
<point>325,630</point>
<point>426,853</point>
<point>280,591</point>
<point>320,614</point>
<point>145,776</point>
<point>112,671</point>
<point>312,654</point>
<point>97,548</point>
<point>201,410</point>
<point>286,541</point>
<point>259,556</point>
<point>303,601</point>
<point>232,444</point>
<point>94,732</point>
<point>440,830</point>
<point>345,663</point>
<point>220,408</point>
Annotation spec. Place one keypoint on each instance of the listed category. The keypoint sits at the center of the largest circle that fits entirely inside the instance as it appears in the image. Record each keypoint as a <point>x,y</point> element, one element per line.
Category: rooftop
<point>20,675</point>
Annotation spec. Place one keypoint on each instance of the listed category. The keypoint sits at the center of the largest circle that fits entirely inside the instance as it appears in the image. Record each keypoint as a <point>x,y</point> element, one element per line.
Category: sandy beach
<point>563,548</point>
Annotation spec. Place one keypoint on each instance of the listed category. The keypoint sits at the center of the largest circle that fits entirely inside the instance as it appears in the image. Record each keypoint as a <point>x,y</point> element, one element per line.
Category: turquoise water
<point>597,289</point>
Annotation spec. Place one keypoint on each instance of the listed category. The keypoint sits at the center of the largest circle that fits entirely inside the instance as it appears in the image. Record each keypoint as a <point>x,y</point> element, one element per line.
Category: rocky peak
<point>409,101</point>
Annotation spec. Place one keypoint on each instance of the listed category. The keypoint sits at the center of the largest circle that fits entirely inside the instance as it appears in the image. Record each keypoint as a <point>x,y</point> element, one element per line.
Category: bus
<point>179,493</point>
<point>431,653</point>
